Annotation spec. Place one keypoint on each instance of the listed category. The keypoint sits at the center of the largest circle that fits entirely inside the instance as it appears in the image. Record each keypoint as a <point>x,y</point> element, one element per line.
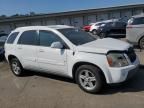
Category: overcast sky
<point>10,7</point>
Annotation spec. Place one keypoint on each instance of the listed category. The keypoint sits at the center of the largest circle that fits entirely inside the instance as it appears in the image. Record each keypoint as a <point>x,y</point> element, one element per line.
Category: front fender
<point>98,60</point>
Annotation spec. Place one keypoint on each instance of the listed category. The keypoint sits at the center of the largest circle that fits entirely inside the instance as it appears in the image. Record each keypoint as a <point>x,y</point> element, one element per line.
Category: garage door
<point>78,22</point>
<point>115,15</point>
<point>5,29</point>
<point>91,19</point>
<point>51,22</point>
<point>36,23</point>
<point>65,21</point>
<point>137,11</point>
<point>126,15</point>
<point>101,17</point>
<point>20,25</point>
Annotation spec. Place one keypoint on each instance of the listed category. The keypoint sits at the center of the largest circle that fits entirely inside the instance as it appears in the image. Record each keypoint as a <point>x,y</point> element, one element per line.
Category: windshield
<point>77,36</point>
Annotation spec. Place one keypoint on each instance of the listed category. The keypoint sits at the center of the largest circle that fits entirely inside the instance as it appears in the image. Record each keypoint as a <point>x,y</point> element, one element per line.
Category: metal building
<point>74,18</point>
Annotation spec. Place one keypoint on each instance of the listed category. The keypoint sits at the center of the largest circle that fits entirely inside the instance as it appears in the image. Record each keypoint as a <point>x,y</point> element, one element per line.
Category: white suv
<point>135,30</point>
<point>70,52</point>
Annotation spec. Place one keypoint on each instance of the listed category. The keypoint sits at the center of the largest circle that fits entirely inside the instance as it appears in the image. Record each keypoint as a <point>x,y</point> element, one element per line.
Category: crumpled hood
<point>103,46</point>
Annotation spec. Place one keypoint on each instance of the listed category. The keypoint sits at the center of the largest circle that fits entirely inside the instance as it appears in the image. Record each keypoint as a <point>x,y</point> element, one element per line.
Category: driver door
<point>51,59</point>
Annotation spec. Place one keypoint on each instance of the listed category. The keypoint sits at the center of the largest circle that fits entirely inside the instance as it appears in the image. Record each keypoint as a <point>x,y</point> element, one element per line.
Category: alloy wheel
<point>16,68</point>
<point>87,79</point>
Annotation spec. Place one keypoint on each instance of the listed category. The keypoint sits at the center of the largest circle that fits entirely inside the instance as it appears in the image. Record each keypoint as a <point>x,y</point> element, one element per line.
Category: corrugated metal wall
<point>75,20</point>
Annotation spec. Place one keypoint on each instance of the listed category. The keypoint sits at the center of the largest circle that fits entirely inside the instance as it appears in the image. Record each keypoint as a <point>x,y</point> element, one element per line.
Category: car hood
<point>103,46</point>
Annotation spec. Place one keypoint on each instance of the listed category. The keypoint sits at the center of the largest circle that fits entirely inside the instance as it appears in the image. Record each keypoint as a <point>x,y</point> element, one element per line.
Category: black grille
<point>131,54</point>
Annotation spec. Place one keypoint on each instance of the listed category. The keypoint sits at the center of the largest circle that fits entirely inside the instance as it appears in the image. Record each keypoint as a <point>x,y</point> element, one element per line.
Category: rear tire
<point>16,67</point>
<point>141,43</point>
<point>89,78</point>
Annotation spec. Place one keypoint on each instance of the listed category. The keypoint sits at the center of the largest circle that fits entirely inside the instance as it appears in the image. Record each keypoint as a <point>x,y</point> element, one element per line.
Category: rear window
<point>136,21</point>
<point>12,38</point>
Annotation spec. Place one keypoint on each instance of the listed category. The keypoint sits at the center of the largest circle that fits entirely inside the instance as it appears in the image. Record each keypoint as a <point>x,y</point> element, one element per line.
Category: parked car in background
<point>94,27</point>
<point>71,52</point>
<point>87,27</point>
<point>3,38</point>
<point>135,30</point>
<point>112,29</point>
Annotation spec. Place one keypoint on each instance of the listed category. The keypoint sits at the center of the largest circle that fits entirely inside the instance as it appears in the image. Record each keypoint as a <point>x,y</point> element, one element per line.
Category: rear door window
<point>28,38</point>
<point>12,37</point>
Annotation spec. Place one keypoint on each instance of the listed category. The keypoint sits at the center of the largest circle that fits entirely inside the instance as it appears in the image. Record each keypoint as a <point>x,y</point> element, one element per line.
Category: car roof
<point>42,27</point>
<point>138,16</point>
<point>107,21</point>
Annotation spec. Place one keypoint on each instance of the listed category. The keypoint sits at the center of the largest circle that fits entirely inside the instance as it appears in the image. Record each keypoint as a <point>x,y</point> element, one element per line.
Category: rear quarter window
<point>12,38</point>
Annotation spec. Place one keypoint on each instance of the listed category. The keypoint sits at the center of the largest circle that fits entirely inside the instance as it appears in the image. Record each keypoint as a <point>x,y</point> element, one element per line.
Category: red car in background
<point>87,27</point>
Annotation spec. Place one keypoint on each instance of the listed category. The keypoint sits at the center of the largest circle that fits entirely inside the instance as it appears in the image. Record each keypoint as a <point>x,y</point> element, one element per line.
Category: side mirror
<point>57,45</point>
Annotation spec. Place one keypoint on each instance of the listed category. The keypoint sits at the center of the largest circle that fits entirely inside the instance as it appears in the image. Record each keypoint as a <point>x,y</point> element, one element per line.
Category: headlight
<point>117,60</point>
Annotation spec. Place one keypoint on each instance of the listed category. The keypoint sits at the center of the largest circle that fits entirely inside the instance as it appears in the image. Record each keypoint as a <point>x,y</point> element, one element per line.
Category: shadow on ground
<point>136,84</point>
<point>50,76</point>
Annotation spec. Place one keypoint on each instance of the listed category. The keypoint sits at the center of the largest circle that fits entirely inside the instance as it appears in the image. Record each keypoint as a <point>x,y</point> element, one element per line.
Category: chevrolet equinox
<point>71,52</point>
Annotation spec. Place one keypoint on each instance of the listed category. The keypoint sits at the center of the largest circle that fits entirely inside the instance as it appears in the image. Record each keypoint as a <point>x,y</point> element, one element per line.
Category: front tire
<point>94,32</point>
<point>16,67</point>
<point>89,78</point>
<point>141,43</point>
<point>102,35</point>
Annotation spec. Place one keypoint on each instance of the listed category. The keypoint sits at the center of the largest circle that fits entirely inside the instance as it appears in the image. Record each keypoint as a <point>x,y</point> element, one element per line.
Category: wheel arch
<point>13,56</point>
<point>10,57</point>
<point>78,64</point>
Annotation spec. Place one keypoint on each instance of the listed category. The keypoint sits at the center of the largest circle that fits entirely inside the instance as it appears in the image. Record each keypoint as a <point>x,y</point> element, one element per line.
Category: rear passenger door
<point>26,49</point>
